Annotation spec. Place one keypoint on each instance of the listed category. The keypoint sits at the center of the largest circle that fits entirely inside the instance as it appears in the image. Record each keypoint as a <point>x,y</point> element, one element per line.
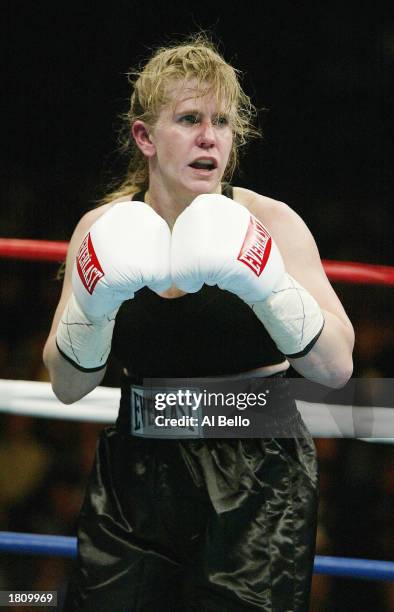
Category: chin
<point>205,186</point>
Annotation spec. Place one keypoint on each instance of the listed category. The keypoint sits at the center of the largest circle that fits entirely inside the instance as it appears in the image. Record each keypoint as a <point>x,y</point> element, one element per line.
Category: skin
<point>191,127</point>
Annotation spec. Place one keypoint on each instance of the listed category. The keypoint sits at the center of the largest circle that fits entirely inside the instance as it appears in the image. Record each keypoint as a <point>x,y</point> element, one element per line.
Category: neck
<point>165,204</point>
<point>169,205</point>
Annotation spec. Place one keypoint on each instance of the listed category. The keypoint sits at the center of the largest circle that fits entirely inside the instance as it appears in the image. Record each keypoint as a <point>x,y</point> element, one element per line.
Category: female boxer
<point>187,276</point>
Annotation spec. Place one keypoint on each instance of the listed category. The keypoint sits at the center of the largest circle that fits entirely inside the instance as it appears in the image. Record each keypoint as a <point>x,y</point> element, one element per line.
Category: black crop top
<point>208,333</point>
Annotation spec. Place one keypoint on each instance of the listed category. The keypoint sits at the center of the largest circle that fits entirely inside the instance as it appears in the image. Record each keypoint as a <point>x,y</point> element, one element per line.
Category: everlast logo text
<point>88,265</point>
<point>256,247</point>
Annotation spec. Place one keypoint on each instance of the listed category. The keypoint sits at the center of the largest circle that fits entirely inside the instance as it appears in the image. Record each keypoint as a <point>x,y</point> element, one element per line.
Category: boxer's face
<point>192,141</point>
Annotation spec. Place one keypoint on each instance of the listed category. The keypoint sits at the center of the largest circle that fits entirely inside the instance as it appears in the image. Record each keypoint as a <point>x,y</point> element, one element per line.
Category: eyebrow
<point>195,111</point>
<point>187,110</point>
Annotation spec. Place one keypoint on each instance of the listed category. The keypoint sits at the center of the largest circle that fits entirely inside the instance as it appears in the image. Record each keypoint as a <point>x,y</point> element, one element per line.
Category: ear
<point>140,133</point>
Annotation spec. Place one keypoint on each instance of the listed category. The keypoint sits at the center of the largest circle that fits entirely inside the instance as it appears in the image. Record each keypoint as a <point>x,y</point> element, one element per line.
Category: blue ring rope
<point>65,546</point>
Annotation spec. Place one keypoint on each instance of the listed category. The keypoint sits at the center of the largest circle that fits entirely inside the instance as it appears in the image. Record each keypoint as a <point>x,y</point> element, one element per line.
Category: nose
<point>206,136</point>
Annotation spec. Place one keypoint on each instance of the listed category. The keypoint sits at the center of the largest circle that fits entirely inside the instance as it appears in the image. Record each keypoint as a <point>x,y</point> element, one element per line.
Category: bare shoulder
<point>277,216</point>
<point>290,232</point>
<point>94,214</point>
<point>90,217</point>
<point>87,220</point>
<point>297,247</point>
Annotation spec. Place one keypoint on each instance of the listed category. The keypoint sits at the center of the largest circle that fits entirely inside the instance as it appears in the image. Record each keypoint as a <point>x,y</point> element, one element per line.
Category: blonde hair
<point>195,59</point>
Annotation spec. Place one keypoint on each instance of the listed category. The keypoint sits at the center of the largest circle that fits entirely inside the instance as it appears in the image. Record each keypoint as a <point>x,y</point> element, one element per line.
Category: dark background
<point>323,70</point>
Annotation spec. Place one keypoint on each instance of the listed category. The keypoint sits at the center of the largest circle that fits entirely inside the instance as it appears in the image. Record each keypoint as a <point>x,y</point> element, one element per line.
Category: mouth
<point>205,164</point>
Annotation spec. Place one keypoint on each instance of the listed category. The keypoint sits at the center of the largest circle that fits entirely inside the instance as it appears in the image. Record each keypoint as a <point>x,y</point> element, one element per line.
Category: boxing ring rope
<point>66,546</point>
<point>337,271</point>
<point>36,399</point>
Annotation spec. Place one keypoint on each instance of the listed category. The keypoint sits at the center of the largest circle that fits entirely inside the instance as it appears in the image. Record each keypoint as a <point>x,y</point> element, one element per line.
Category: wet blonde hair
<point>195,59</point>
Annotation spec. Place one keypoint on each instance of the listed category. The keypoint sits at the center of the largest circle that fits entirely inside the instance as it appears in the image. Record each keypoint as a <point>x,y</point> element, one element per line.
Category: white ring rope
<point>36,399</point>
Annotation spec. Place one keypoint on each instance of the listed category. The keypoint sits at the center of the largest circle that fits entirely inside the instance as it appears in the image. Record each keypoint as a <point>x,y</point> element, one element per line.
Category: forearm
<point>329,362</point>
<point>68,383</point>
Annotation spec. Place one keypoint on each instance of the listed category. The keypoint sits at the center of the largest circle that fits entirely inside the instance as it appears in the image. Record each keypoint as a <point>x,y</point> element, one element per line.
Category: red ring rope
<point>359,273</point>
<point>43,250</point>
<point>339,271</point>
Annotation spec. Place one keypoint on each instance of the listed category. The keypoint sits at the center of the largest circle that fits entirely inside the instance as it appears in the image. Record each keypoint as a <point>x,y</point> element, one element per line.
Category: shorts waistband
<point>190,408</point>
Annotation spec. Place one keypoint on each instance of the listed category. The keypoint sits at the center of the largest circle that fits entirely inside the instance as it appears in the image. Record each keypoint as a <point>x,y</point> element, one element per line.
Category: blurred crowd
<point>44,464</point>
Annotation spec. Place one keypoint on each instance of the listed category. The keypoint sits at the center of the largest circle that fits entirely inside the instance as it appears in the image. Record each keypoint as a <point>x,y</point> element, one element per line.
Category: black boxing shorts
<point>224,525</point>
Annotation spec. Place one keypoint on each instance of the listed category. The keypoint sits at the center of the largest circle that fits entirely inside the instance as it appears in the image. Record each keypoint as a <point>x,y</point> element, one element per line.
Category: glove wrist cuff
<point>84,341</point>
<point>291,316</point>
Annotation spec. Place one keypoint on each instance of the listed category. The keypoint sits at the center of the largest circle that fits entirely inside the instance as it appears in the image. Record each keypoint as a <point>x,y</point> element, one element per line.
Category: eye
<point>221,121</point>
<point>189,119</point>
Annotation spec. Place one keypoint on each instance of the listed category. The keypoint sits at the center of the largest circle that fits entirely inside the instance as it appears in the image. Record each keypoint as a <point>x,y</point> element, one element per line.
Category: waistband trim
<point>209,408</point>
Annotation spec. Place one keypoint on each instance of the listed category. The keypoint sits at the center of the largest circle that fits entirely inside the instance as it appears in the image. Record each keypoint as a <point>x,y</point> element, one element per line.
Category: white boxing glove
<point>217,241</point>
<point>126,249</point>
